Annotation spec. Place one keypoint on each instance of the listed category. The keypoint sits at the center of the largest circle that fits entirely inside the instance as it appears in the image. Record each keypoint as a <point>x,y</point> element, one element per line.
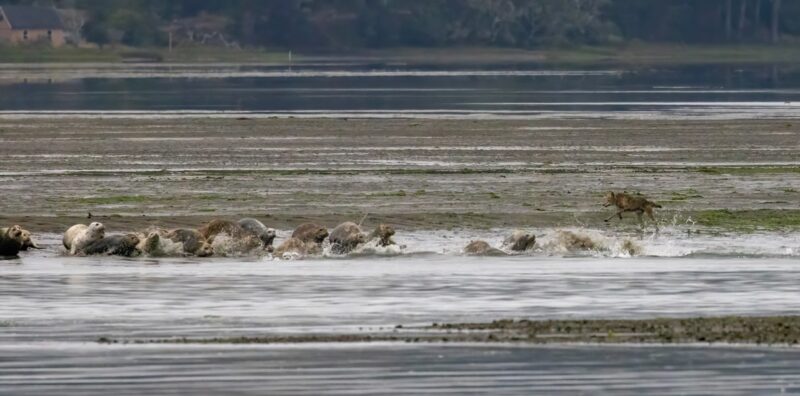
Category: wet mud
<point>416,174</point>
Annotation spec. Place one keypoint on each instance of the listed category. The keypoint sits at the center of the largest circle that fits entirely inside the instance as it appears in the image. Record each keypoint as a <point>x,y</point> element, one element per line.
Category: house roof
<point>25,17</point>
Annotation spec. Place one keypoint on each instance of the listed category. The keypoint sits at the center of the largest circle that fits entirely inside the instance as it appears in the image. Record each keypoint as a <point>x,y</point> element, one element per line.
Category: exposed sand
<point>779,330</point>
<point>417,174</point>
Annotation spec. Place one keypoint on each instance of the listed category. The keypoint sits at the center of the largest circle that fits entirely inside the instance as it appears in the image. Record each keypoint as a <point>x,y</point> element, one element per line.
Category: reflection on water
<point>516,91</point>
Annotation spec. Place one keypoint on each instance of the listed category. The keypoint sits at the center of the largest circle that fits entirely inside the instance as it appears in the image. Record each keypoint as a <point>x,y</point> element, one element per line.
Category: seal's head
<point>15,232</point>
<point>360,238</point>
<point>97,230</point>
<point>521,241</point>
<point>384,231</point>
<point>269,237</point>
<point>320,234</point>
<point>27,241</point>
<point>205,250</point>
<point>132,239</point>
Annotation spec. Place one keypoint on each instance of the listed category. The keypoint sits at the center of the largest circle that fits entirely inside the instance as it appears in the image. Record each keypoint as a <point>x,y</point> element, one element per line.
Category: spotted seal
<point>520,241</point>
<point>294,248</point>
<point>383,233</point>
<point>482,248</point>
<point>28,242</point>
<point>311,232</point>
<point>346,237</point>
<point>258,229</point>
<point>114,245</point>
<point>79,236</point>
<point>193,242</point>
<point>11,241</point>
<point>228,237</point>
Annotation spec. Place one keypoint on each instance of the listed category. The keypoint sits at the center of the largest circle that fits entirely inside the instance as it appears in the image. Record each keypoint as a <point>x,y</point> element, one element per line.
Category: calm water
<point>391,91</point>
<point>389,369</point>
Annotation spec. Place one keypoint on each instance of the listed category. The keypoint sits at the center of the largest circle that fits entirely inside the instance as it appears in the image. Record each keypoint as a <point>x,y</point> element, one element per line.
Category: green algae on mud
<point>749,220</point>
<point>776,330</point>
<point>747,170</point>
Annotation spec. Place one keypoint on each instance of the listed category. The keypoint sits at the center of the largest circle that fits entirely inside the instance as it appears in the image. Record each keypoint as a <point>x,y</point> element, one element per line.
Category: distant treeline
<point>387,23</point>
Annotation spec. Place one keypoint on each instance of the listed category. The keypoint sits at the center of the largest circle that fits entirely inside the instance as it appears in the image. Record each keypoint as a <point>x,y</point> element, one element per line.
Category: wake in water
<point>588,242</point>
<point>678,239</point>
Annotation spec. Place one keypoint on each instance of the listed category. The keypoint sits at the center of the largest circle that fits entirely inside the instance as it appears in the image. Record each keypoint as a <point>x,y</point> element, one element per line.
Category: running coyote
<point>630,203</point>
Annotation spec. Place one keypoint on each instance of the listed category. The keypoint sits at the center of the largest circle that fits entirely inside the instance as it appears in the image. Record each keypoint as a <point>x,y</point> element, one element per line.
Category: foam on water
<point>671,240</point>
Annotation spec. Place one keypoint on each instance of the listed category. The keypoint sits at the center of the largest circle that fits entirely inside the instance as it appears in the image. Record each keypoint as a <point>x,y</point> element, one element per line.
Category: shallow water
<point>391,369</point>
<point>55,308</point>
<point>54,298</point>
<point>390,91</point>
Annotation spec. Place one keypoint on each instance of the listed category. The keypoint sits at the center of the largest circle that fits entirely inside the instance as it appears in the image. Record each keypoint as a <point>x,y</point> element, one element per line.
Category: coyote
<point>629,203</point>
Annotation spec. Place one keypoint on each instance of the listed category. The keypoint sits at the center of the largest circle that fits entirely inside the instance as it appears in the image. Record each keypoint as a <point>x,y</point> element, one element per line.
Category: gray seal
<point>310,233</point>
<point>482,248</point>
<point>257,228</point>
<point>114,245</point>
<point>346,237</point>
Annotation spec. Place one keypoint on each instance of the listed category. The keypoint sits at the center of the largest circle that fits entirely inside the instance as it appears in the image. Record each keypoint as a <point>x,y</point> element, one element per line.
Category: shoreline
<point>745,330</point>
<point>712,222</point>
<point>631,54</point>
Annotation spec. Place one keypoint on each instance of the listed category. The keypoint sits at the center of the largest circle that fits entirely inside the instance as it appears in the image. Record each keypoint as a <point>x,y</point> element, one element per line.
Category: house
<point>24,24</point>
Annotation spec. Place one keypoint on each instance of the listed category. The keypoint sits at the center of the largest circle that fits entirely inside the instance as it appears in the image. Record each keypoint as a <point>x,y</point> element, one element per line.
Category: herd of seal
<point>217,238</point>
<point>249,236</point>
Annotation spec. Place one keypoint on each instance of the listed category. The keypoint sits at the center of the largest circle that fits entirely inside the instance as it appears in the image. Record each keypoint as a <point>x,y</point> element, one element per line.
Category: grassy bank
<point>156,55</point>
<point>749,220</point>
<point>639,53</point>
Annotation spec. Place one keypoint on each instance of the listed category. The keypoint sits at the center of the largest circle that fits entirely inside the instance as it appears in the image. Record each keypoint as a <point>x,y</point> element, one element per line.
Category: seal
<point>346,237</point>
<point>482,248</point>
<point>383,233</point>
<point>152,243</point>
<point>11,241</point>
<point>294,248</point>
<point>28,242</point>
<point>259,230</point>
<point>520,241</point>
<point>573,241</point>
<point>218,226</point>
<point>79,236</point>
<point>193,242</point>
<point>235,239</point>
<point>115,245</point>
<point>311,232</point>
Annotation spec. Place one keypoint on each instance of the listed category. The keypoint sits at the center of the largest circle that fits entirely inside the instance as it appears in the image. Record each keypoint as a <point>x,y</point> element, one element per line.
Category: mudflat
<point>775,330</point>
<point>416,174</point>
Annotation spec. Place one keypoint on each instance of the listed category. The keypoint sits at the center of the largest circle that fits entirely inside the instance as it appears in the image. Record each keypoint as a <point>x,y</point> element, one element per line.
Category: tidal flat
<point>418,174</point>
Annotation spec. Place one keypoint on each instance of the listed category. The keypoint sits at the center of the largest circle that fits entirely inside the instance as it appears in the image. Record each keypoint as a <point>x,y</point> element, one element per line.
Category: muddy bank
<point>778,330</point>
<point>419,174</point>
